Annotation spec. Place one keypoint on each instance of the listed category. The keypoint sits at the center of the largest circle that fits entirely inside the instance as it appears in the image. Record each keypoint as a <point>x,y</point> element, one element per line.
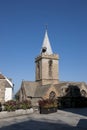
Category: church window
<point>50,68</point>
<point>38,69</point>
<point>83,93</point>
<point>52,95</point>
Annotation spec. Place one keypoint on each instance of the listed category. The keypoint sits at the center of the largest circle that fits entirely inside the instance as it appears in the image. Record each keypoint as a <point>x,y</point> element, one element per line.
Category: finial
<point>46,26</point>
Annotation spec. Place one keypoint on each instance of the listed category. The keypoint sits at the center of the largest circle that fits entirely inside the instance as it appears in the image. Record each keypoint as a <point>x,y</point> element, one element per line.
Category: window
<point>50,68</point>
<point>38,70</point>
<point>52,95</point>
<point>83,93</point>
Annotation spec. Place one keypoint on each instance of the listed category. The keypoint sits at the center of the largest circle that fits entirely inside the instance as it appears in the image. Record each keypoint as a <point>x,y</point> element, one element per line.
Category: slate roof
<point>72,83</point>
<point>29,87</point>
<point>8,83</point>
<point>34,90</point>
<point>1,76</point>
<point>41,90</point>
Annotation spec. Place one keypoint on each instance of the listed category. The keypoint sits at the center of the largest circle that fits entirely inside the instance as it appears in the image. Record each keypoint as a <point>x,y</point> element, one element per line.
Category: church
<point>47,83</point>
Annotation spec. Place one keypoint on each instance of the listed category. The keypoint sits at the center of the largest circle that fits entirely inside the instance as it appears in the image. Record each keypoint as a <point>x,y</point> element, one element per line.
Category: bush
<point>10,105</point>
<point>24,104</point>
<point>14,105</point>
<point>47,103</point>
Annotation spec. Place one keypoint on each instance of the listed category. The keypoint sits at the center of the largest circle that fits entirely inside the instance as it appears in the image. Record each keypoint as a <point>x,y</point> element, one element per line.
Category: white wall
<point>8,94</point>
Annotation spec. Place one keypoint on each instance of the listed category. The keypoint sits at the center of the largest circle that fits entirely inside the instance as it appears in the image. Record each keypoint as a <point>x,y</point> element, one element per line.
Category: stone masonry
<point>2,90</point>
<point>43,68</point>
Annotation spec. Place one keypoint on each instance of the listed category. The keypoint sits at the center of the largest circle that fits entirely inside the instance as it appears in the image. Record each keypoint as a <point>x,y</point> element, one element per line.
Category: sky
<point>22,29</point>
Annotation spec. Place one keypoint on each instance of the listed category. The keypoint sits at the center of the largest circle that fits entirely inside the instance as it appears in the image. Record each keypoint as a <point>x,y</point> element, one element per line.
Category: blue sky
<point>22,28</point>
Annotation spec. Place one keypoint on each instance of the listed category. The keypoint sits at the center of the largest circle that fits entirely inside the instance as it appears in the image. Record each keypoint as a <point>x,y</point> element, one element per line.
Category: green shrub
<point>24,104</point>
<point>14,105</point>
<point>10,105</point>
<point>47,103</point>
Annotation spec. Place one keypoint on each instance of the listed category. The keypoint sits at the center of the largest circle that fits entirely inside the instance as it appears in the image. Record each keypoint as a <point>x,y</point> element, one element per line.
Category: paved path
<point>62,120</point>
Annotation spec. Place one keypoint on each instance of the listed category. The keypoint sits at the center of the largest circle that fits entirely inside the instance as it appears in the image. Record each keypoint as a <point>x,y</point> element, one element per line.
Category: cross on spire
<point>46,26</point>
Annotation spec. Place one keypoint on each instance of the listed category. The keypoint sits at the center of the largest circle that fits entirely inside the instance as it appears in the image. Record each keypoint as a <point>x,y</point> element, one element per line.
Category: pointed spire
<point>46,47</point>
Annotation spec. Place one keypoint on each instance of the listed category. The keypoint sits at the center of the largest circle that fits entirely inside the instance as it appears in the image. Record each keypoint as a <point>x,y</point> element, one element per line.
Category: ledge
<point>45,56</point>
<point>5,114</point>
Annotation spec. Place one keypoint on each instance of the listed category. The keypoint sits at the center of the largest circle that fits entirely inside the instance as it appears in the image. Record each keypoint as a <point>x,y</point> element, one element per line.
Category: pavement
<point>67,119</point>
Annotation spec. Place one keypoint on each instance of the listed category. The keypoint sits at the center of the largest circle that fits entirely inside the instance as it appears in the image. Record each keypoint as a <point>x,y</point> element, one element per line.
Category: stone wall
<point>5,114</point>
<point>52,89</point>
<point>43,75</point>
<point>2,91</point>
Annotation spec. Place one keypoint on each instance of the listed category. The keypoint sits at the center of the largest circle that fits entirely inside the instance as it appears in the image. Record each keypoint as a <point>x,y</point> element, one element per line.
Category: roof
<point>32,89</point>
<point>1,76</point>
<point>9,81</point>
<point>46,47</point>
<point>29,87</point>
<point>5,78</point>
<point>41,90</point>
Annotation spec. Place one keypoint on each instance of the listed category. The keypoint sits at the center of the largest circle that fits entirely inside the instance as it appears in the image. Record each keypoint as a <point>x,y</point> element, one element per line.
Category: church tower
<point>47,64</point>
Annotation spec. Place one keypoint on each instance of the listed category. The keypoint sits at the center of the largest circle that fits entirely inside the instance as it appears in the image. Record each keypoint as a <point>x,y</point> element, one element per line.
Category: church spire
<point>46,47</point>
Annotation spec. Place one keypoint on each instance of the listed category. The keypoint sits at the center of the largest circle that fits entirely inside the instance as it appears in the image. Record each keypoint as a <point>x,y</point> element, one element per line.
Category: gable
<point>50,90</point>
<point>6,81</point>
<point>1,76</point>
<point>29,88</point>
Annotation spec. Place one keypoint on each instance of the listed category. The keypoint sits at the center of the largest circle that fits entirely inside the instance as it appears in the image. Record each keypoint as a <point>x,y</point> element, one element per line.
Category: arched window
<point>50,68</point>
<point>38,70</point>
<point>83,93</point>
<point>52,95</point>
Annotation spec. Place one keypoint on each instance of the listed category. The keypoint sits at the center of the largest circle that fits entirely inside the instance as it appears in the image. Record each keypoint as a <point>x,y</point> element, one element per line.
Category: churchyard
<point>66,119</point>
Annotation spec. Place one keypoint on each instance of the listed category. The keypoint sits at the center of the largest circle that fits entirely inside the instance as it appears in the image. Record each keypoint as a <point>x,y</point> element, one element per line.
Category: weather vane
<point>46,26</point>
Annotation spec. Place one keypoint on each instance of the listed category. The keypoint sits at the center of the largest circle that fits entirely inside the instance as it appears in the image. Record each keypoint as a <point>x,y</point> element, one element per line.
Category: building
<point>47,84</point>
<point>6,89</point>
